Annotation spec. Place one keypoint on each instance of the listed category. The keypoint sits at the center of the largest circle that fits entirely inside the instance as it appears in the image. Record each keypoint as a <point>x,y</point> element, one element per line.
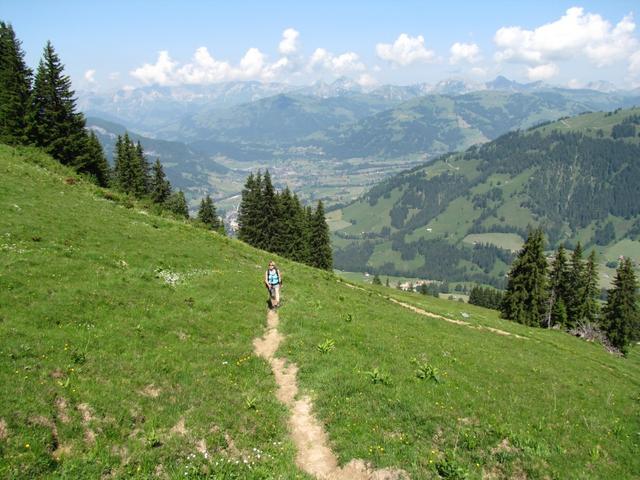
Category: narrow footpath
<point>311,440</point>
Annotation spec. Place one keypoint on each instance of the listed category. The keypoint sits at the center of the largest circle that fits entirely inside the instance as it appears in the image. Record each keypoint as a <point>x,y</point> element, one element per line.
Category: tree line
<point>279,223</point>
<point>41,111</point>
<point>565,294</point>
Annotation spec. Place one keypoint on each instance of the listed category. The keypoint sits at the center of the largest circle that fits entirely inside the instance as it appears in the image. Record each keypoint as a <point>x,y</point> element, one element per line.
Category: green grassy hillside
<point>576,177</point>
<point>127,353</point>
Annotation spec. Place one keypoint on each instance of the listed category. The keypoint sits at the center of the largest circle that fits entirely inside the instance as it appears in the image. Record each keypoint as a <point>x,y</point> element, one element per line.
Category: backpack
<point>277,274</point>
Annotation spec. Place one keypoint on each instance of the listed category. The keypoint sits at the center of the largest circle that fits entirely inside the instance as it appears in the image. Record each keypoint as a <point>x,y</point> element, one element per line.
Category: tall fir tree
<point>621,319</point>
<point>15,88</point>
<point>141,179</point>
<point>102,172</point>
<point>558,287</point>
<point>525,300</point>
<point>249,210</point>
<point>320,243</point>
<point>53,122</point>
<point>160,188</point>
<point>268,218</point>
<point>207,214</point>
<point>177,204</point>
<point>575,289</point>
<point>290,226</point>
<point>590,305</point>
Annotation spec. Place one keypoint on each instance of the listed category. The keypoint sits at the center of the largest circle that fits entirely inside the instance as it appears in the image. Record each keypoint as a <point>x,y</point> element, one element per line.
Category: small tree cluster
<point>209,217</point>
<point>485,297</point>
<point>277,222</point>
<point>43,112</point>
<point>621,316</point>
<point>567,295</point>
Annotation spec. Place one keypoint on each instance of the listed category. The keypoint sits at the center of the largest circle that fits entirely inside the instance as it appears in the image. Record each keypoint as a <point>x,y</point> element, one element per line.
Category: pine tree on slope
<point>591,307</point>
<point>94,150</point>
<point>207,214</point>
<point>177,204</point>
<point>320,243</point>
<point>160,188</point>
<point>576,289</point>
<point>248,212</point>
<point>15,89</point>
<point>558,287</point>
<point>53,122</point>
<point>526,297</point>
<point>268,217</point>
<point>621,316</point>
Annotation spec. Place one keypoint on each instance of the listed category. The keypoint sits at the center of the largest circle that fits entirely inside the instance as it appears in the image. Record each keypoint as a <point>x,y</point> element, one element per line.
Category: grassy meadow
<point>127,353</point>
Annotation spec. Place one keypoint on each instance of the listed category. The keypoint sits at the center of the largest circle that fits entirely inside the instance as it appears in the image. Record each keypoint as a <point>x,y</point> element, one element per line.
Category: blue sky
<point>117,43</point>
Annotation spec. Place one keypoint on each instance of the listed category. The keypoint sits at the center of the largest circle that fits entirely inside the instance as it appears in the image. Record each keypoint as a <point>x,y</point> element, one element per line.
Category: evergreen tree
<point>387,283</point>
<point>140,167</point>
<point>249,211</point>
<point>558,286</point>
<point>177,204</point>
<point>376,280</point>
<point>53,122</point>
<point>15,88</point>
<point>526,296</point>
<point>591,307</point>
<point>290,227</point>
<point>102,171</point>
<point>621,316</point>
<point>124,171</point>
<point>268,216</point>
<point>576,289</point>
<point>320,243</point>
<point>160,188</point>
<point>207,214</point>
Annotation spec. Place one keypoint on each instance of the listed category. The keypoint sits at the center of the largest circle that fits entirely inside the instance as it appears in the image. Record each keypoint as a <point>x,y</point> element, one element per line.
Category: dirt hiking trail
<point>420,311</point>
<point>312,443</point>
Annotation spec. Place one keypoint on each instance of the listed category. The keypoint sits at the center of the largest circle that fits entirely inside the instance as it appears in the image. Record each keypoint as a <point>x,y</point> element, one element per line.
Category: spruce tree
<point>558,288</point>
<point>140,166</point>
<point>268,216</point>
<point>53,122</point>
<point>590,305</point>
<point>525,300</point>
<point>576,289</point>
<point>290,226</point>
<point>125,171</point>
<point>249,211</point>
<point>621,319</point>
<point>160,188</point>
<point>15,88</point>
<point>102,171</point>
<point>320,243</point>
<point>376,280</point>
<point>207,214</point>
<point>177,204</point>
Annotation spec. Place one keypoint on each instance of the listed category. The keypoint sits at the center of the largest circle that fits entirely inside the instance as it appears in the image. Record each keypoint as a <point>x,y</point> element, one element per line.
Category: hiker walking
<point>273,281</point>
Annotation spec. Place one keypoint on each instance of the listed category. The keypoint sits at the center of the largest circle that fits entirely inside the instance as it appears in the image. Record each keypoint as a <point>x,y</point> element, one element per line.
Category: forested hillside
<point>463,215</point>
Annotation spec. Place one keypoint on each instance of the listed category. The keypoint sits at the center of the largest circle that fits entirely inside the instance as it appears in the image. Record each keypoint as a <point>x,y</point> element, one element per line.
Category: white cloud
<point>405,50</point>
<point>575,34</point>
<point>336,64</point>
<point>634,64</point>
<point>575,83</point>
<point>542,72</point>
<point>114,75</point>
<point>479,71</point>
<point>365,80</point>
<point>467,52</point>
<point>289,43</point>
<point>90,76</point>
<point>161,72</point>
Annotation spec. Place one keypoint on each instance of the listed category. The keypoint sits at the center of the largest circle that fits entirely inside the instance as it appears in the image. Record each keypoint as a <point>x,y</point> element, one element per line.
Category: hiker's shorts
<point>274,291</point>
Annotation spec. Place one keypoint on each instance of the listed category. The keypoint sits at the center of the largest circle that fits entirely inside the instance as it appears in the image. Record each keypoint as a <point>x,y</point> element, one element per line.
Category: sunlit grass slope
<point>127,352</point>
<point>144,323</point>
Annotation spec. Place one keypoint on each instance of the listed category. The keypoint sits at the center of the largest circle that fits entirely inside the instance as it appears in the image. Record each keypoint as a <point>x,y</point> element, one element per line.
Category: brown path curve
<point>420,311</point>
<point>312,442</point>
